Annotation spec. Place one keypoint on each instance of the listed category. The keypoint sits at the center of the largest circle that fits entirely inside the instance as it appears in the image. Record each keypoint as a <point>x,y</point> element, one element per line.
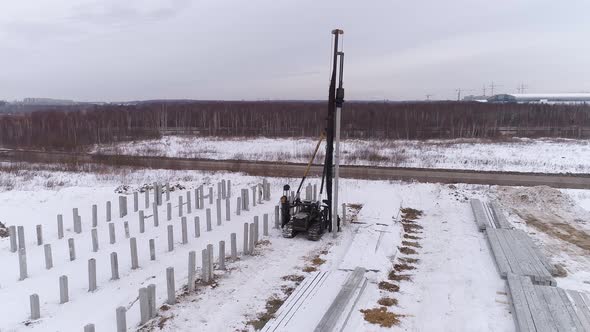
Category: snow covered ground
<point>523,155</point>
<point>453,285</point>
<point>241,292</point>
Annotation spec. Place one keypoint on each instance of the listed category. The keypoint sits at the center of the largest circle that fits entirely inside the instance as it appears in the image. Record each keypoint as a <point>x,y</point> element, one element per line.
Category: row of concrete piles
<point>251,236</point>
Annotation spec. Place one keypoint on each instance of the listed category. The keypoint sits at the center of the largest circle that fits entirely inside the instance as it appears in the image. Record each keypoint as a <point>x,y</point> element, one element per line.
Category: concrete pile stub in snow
<point>35,308</point>
<point>122,206</point>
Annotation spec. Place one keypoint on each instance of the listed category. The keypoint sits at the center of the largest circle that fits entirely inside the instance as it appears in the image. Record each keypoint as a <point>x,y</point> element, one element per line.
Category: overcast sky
<point>114,50</point>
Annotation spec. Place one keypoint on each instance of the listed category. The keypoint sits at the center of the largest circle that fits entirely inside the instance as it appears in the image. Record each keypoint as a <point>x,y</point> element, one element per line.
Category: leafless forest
<point>72,128</point>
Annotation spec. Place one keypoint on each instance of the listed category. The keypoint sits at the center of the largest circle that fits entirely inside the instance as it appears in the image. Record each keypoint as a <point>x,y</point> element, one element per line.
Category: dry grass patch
<point>387,286</point>
<point>387,301</point>
<point>309,269</point>
<point>317,261</point>
<point>3,230</point>
<point>263,243</point>
<point>411,228</point>
<point>355,206</point>
<point>393,276</point>
<point>411,244</point>
<point>380,316</point>
<point>272,305</point>
<point>293,277</point>
<point>409,260</point>
<point>163,321</point>
<point>412,214</point>
<point>412,237</point>
<point>403,267</point>
<point>562,231</point>
<point>407,251</point>
<point>287,290</point>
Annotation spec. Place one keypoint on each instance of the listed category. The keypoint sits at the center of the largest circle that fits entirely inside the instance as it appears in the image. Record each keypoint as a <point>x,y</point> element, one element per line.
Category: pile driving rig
<point>315,217</point>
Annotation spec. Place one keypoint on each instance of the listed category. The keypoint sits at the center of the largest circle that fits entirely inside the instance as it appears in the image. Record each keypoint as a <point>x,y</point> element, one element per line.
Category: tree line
<point>75,127</point>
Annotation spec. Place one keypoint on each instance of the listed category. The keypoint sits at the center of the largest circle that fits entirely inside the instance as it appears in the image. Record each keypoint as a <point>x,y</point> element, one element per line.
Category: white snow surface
<point>518,154</point>
<point>454,288</point>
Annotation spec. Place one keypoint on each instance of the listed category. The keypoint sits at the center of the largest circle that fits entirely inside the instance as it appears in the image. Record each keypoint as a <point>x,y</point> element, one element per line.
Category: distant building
<point>541,98</point>
<point>482,99</point>
<point>47,102</point>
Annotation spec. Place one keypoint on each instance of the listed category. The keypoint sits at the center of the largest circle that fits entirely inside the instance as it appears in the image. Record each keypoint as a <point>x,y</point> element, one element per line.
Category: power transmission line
<point>493,86</point>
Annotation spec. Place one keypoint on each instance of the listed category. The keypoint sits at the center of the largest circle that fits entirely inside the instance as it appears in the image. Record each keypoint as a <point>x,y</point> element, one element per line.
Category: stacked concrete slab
<point>481,218</point>
<point>338,307</point>
<point>488,215</point>
<point>307,289</point>
<point>514,252</point>
<point>544,308</point>
<point>537,306</point>
<point>313,307</point>
<point>498,217</point>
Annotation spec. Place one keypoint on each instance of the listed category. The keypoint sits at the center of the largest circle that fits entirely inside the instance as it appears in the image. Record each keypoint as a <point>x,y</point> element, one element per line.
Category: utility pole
<point>484,90</point>
<point>493,86</point>
<point>521,88</point>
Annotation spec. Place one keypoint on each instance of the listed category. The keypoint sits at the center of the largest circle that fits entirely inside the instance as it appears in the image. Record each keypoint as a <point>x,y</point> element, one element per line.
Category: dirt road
<point>261,168</point>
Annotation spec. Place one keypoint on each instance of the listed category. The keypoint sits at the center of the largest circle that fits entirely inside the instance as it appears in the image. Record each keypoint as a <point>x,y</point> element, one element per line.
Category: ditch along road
<point>283,169</point>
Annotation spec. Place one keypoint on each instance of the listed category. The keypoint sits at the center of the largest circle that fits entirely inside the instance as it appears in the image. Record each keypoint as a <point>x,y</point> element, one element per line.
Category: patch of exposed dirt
<point>409,260</point>
<point>287,290</point>
<point>387,286</point>
<point>561,230</point>
<point>317,261</point>
<point>411,244</point>
<point>3,230</point>
<point>272,305</point>
<point>407,251</point>
<point>355,206</point>
<point>309,269</point>
<point>549,211</point>
<point>387,301</point>
<point>162,321</point>
<point>293,277</point>
<point>393,276</point>
<point>403,267</point>
<point>412,237</point>
<point>263,243</point>
<point>412,228</point>
<point>380,316</point>
<point>411,214</point>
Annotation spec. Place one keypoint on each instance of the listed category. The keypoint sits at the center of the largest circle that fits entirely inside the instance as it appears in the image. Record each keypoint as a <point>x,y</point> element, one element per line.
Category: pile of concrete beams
<point>516,253</point>
<point>488,215</point>
<point>543,308</point>
<point>513,250</point>
<point>537,305</point>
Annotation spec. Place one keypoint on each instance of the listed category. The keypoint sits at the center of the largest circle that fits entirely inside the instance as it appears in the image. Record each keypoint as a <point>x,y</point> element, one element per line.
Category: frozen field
<point>450,283</point>
<point>522,155</point>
